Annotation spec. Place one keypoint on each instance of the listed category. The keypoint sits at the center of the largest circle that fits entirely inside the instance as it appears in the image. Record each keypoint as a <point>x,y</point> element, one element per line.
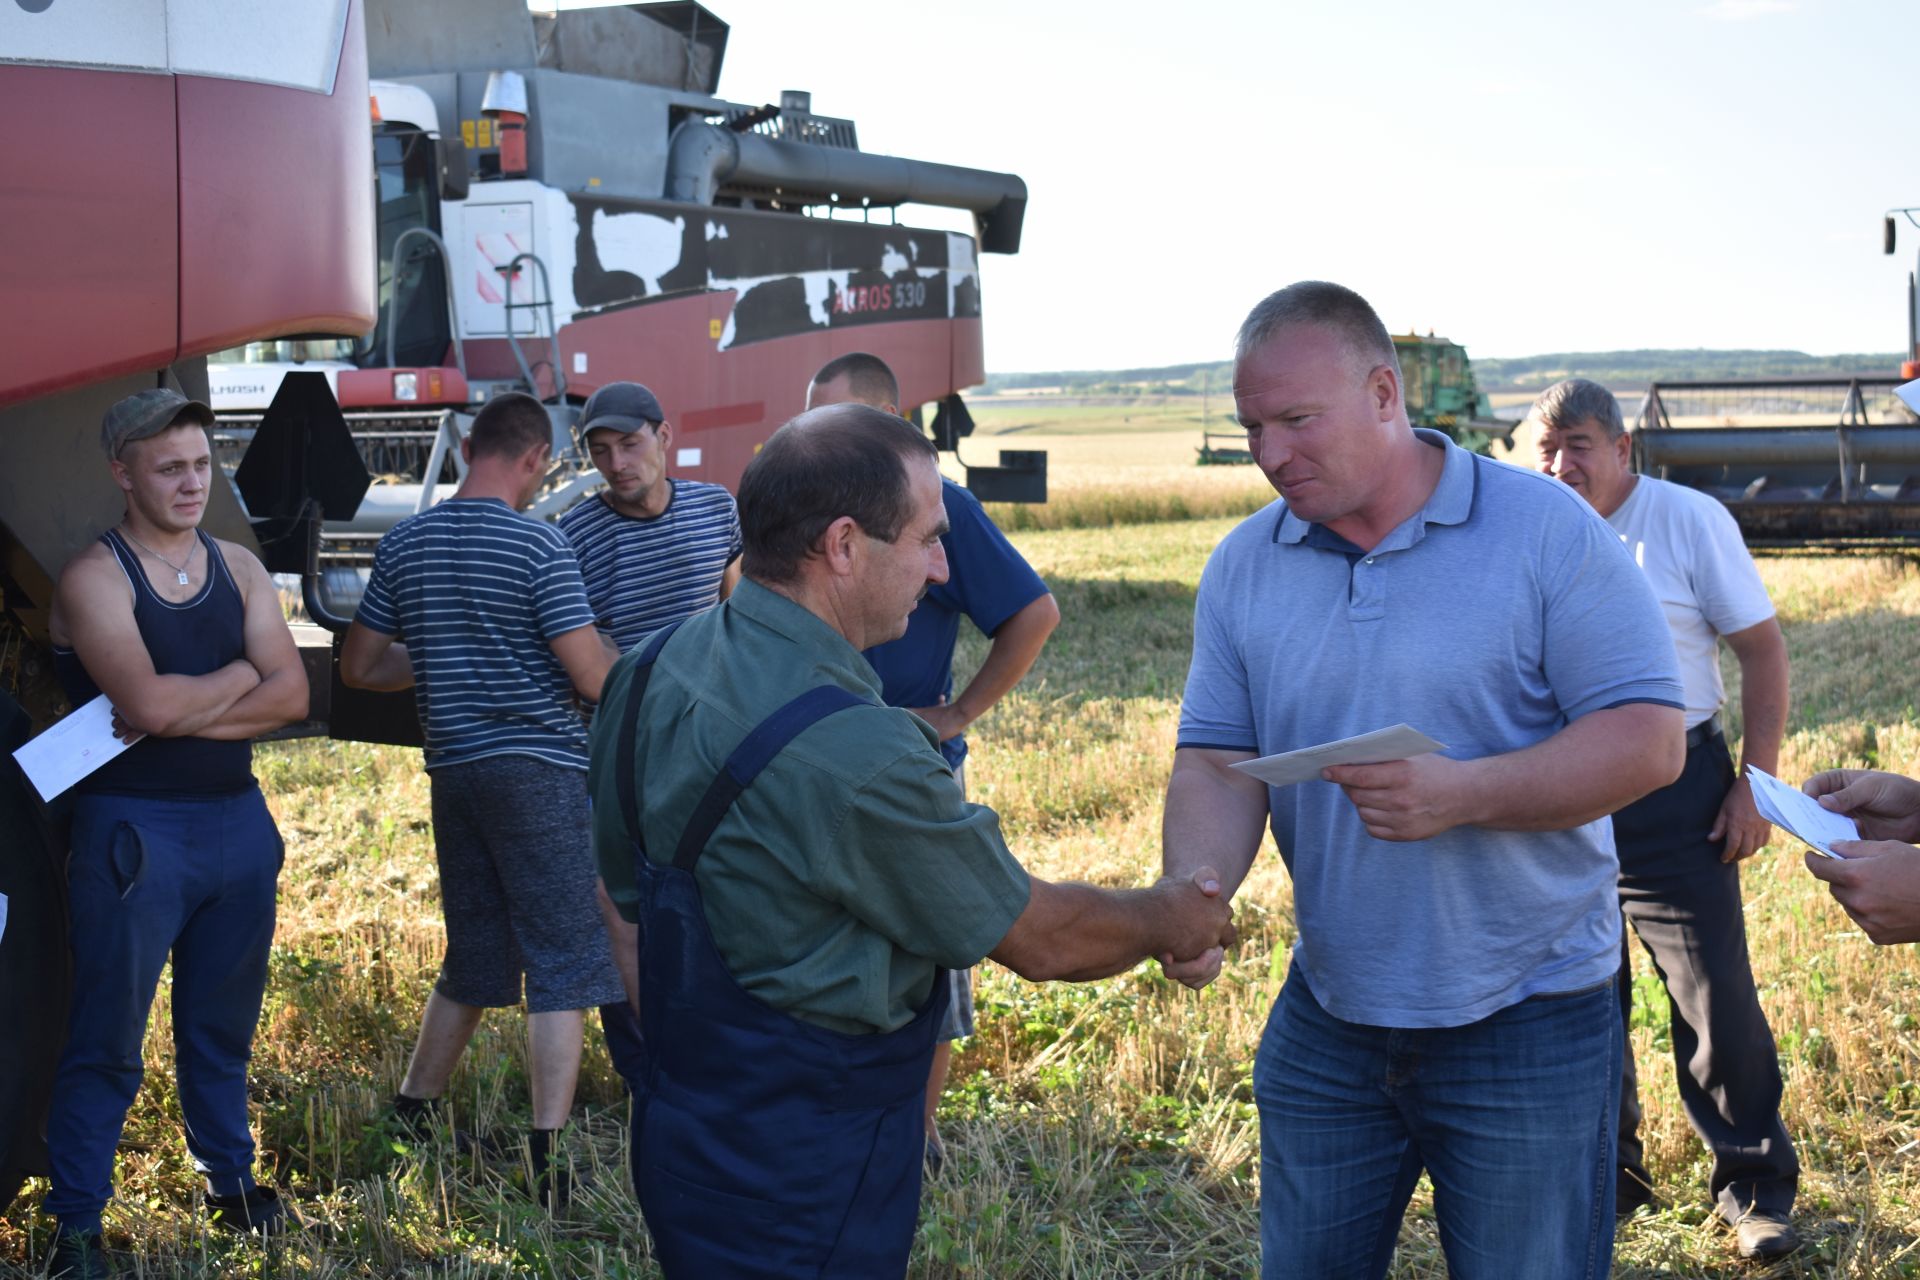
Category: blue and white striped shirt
<point>643,574</point>
<point>476,592</point>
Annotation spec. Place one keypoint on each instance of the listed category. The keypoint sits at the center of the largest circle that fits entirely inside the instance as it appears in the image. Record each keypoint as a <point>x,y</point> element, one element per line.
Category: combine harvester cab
<point>1441,392</point>
<point>186,176</point>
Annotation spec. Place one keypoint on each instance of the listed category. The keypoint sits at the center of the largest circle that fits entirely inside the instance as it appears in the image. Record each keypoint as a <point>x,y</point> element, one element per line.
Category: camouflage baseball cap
<point>148,413</point>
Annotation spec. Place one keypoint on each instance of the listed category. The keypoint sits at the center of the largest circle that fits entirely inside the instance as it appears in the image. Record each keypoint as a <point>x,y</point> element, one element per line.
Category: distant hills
<point>1635,369</point>
<point>1620,370</point>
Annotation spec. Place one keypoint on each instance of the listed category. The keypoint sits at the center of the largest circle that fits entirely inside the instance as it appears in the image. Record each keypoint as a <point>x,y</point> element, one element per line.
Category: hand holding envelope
<point>1396,782</point>
<point>1876,879</point>
<point>1800,815</point>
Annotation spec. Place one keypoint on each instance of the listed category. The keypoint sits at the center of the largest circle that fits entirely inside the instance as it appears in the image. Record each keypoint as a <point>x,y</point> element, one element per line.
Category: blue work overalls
<point>763,1146</point>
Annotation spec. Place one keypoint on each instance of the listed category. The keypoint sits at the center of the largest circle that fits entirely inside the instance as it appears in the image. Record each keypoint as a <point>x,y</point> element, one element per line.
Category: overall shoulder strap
<point>623,759</point>
<point>757,750</point>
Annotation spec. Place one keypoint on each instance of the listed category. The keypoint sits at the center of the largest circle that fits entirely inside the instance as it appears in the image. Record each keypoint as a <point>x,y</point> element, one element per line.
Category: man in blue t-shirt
<point>1450,1004</point>
<point>990,583</point>
<point>480,611</point>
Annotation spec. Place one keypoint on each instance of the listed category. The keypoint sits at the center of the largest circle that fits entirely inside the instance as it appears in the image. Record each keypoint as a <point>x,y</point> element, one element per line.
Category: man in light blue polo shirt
<point>1450,1005</point>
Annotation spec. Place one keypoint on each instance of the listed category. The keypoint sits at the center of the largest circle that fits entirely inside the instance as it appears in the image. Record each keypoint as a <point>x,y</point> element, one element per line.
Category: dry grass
<point>1096,1131</point>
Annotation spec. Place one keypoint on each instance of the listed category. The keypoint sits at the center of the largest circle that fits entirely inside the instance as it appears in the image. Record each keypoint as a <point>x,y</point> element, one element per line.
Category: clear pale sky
<point>1521,177</point>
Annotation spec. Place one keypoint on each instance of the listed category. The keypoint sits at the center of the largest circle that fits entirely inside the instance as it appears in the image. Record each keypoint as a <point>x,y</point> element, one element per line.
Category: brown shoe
<point>1765,1235</point>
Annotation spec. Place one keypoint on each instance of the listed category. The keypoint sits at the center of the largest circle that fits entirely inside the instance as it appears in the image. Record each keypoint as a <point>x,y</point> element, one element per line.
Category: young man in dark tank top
<point>174,852</point>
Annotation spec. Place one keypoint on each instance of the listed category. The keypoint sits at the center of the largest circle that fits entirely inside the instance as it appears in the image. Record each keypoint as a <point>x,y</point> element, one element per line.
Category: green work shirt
<point>852,867</point>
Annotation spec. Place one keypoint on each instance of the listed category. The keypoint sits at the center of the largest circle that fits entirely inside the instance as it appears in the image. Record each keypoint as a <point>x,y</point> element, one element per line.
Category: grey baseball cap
<point>148,413</point>
<point>623,406</point>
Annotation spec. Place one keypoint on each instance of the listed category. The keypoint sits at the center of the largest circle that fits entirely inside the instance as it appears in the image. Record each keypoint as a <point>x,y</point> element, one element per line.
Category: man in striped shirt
<point>480,610</point>
<point>652,549</point>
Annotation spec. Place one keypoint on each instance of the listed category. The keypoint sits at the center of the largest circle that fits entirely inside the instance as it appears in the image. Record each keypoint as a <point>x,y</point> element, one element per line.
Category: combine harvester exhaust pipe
<point>705,157</point>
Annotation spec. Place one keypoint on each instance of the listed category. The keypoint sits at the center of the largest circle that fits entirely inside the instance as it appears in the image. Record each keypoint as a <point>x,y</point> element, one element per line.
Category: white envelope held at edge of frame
<point>1799,814</point>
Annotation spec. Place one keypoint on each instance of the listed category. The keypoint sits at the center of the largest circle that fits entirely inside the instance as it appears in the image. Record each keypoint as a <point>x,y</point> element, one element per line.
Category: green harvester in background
<point>1437,379</point>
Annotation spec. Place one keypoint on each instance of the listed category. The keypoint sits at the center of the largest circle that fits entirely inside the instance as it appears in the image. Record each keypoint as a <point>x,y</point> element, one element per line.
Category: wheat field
<point>1095,1131</point>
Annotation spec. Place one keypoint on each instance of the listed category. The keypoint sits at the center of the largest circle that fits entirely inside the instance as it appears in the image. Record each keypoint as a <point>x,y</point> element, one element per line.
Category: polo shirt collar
<point>806,629</point>
<point>1451,501</point>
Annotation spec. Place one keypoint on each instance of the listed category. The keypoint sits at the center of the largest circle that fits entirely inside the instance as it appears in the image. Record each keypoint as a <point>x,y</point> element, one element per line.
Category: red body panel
<point>373,388</point>
<point>726,404</point>
<point>88,203</point>
<point>149,217</point>
<point>276,210</point>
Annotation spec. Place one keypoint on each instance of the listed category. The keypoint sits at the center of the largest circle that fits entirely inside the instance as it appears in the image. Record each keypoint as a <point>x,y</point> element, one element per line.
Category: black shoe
<point>80,1255</point>
<point>1632,1192</point>
<point>555,1188</point>
<point>552,1184</point>
<point>1765,1235</point>
<point>414,1117</point>
<point>482,1145</point>
<point>259,1212</point>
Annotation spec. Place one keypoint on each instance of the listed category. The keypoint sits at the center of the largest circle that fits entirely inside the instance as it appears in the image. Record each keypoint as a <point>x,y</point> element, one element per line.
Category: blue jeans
<point>149,878</point>
<point>1511,1116</point>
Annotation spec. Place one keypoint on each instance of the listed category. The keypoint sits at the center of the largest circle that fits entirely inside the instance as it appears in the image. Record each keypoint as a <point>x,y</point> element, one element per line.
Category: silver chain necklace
<point>179,569</point>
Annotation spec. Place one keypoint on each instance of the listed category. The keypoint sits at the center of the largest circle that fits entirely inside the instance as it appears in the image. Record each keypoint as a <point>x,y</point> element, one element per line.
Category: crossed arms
<point>252,695</point>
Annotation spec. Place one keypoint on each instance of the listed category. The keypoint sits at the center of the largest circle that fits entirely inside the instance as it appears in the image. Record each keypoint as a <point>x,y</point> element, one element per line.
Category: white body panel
<point>249,388</point>
<point>297,45</point>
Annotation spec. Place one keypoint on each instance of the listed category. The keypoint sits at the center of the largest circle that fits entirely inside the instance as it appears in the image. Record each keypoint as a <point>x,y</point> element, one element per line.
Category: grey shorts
<point>512,838</point>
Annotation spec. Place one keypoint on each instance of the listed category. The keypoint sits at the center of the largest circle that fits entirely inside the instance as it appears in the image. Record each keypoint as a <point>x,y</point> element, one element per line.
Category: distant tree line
<point>1621,370</point>
<point>1624,369</point>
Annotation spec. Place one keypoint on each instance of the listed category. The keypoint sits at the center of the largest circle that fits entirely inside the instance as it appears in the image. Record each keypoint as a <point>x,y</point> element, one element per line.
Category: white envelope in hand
<point>1799,814</point>
<point>1399,742</point>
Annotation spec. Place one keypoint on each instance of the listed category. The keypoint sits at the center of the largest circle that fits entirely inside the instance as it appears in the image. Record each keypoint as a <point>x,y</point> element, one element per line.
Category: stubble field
<point>1104,1130</point>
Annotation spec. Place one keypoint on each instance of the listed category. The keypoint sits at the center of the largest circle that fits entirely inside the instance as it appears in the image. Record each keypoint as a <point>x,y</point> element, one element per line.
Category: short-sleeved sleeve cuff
<point>376,607</point>
<point>1660,693</point>
<point>561,602</point>
<point>925,868</point>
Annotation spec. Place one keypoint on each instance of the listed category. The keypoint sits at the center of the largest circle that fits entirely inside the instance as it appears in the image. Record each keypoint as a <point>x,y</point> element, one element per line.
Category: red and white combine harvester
<point>212,195</point>
<point>563,203</point>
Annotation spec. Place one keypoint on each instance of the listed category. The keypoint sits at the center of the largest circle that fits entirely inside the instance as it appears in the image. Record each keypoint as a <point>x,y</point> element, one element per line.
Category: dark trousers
<point>153,878</point>
<point>1684,903</point>
<point>625,1044</point>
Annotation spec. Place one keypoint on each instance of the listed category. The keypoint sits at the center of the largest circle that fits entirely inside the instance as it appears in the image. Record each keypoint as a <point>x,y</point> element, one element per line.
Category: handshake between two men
<point>1073,932</point>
